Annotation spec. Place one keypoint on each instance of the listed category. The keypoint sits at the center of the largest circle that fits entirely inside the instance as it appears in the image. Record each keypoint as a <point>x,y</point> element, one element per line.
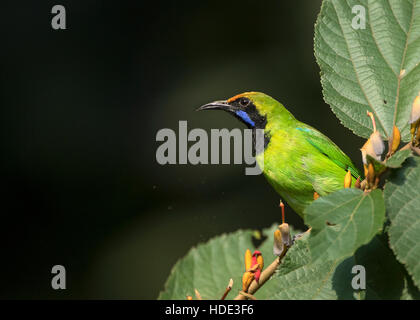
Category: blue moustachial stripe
<point>244,116</point>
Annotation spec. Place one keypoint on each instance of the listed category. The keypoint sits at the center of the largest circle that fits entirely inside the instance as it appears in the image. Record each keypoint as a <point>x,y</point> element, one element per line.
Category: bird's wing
<point>324,145</point>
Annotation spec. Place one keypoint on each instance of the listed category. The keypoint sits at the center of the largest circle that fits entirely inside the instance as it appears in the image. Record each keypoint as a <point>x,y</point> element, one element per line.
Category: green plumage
<point>298,160</point>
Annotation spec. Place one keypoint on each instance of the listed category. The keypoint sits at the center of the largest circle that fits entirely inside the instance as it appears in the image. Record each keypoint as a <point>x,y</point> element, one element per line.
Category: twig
<point>407,146</point>
<point>198,295</point>
<point>416,150</point>
<point>265,275</point>
<point>229,287</point>
<point>413,148</point>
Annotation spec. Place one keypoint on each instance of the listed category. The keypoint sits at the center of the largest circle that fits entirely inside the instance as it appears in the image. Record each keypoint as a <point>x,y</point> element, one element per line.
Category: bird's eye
<point>243,102</point>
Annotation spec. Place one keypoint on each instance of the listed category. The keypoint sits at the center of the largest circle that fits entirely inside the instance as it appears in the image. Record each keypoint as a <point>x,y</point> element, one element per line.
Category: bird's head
<point>251,108</point>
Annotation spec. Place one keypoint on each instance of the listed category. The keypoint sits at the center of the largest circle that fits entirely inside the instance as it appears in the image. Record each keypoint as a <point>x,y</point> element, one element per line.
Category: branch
<point>228,288</point>
<point>412,147</point>
<point>265,275</point>
<point>247,295</point>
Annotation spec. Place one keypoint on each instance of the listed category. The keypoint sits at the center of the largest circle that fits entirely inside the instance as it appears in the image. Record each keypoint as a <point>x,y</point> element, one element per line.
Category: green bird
<point>298,160</point>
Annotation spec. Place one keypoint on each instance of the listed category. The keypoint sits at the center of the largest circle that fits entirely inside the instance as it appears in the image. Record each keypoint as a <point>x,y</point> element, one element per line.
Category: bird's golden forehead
<point>235,97</point>
<point>238,96</point>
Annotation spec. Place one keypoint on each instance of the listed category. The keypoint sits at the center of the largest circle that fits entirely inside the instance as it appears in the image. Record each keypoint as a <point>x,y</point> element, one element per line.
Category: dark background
<point>80,109</point>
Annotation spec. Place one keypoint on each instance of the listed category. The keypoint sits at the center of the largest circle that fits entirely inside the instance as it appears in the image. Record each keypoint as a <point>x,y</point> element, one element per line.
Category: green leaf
<point>360,68</point>
<point>315,268</point>
<point>385,277</point>
<point>343,221</point>
<point>301,278</point>
<point>402,195</point>
<point>318,266</point>
<point>209,266</point>
<point>397,159</point>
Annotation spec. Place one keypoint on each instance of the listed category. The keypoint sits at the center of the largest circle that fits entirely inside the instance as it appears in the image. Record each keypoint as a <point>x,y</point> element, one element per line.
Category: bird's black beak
<point>216,105</point>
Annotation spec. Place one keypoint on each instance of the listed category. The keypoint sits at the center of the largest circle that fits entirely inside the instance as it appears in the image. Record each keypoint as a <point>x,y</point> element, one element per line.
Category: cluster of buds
<point>415,122</point>
<point>373,149</point>
<point>254,263</point>
<point>282,238</point>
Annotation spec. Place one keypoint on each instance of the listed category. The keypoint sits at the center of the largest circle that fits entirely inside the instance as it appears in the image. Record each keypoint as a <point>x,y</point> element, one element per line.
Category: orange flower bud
<point>371,174</point>
<point>278,243</point>
<point>282,239</point>
<point>246,280</point>
<point>347,179</point>
<point>316,195</point>
<point>395,140</point>
<point>248,259</point>
<point>189,298</point>
<point>415,110</point>
<point>260,261</point>
<point>415,119</point>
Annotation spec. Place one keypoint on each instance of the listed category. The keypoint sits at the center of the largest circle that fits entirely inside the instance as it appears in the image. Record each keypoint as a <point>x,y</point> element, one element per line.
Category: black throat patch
<point>257,121</point>
<point>246,111</point>
<point>260,123</point>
